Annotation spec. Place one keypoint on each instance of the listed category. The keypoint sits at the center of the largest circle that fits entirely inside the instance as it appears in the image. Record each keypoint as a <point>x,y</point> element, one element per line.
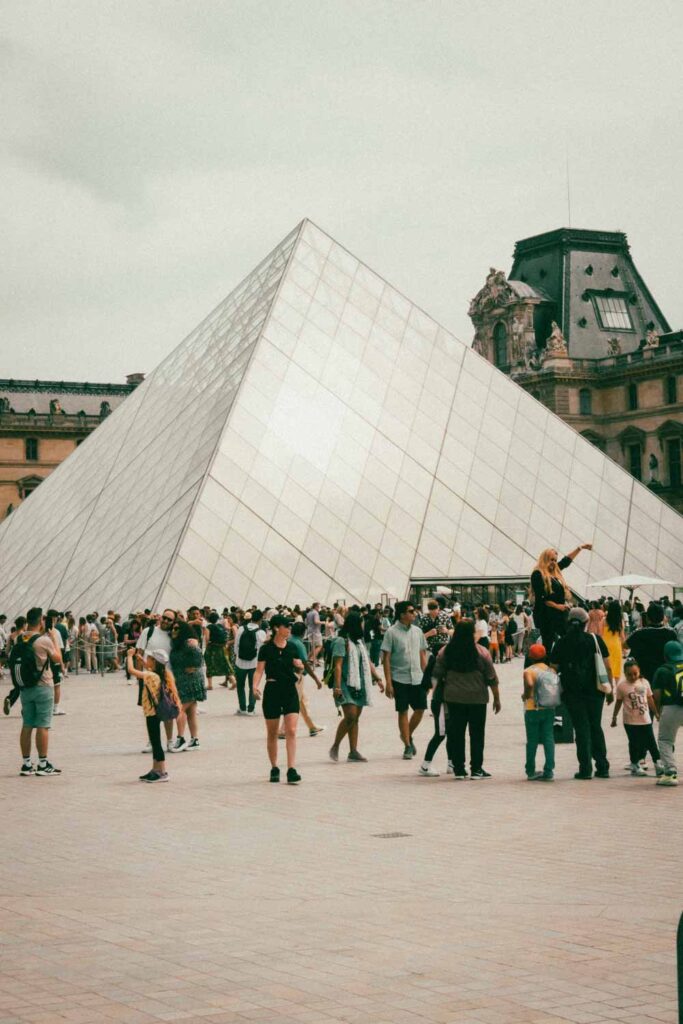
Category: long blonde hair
<point>542,565</point>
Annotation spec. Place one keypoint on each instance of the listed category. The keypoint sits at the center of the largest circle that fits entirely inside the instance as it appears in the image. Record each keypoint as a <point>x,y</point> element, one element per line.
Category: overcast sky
<point>153,152</point>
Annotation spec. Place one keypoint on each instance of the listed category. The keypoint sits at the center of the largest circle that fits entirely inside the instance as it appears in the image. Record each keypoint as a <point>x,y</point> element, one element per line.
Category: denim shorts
<point>36,706</point>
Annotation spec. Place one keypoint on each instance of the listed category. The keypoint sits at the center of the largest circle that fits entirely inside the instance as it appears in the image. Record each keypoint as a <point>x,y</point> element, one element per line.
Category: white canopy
<point>631,581</point>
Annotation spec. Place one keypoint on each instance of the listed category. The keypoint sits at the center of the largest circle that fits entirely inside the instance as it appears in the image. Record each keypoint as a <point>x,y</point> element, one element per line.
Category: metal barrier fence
<point>97,658</point>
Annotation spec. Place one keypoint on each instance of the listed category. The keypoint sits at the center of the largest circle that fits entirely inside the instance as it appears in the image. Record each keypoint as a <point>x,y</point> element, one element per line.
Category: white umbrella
<point>632,581</point>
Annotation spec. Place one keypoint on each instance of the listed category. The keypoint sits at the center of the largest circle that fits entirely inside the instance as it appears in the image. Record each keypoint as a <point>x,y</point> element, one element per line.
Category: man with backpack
<point>667,688</point>
<point>249,638</point>
<point>575,656</point>
<point>541,696</point>
<point>35,669</point>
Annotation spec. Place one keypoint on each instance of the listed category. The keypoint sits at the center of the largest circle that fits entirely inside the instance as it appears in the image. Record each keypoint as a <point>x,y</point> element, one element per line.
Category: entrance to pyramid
<point>471,592</point>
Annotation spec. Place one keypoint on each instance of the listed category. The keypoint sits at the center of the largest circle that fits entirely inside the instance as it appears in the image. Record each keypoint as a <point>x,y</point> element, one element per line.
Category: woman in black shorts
<point>277,659</point>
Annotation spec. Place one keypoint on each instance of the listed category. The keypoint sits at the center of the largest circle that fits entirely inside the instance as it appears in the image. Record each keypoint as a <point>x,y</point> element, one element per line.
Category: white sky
<point>151,153</point>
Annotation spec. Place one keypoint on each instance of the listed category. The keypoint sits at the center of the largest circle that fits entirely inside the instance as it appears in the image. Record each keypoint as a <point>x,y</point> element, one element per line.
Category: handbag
<point>601,678</point>
<point>166,709</point>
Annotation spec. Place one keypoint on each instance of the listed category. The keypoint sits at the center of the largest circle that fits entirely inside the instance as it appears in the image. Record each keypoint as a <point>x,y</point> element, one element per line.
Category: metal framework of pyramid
<point>319,436</point>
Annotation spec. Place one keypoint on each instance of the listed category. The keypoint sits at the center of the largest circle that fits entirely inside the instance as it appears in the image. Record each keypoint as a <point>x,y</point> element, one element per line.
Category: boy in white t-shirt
<point>635,696</point>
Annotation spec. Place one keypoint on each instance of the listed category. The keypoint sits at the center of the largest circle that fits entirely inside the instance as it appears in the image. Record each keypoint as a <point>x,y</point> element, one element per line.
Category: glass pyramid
<point>320,437</point>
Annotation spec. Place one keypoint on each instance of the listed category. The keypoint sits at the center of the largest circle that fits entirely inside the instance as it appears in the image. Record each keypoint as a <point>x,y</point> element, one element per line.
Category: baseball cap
<point>537,652</point>
<point>159,656</point>
<point>673,651</point>
<point>578,615</point>
<point>280,620</point>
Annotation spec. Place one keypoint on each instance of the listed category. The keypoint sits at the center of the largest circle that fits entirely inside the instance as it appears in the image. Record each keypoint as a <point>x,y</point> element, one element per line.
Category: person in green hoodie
<point>667,690</point>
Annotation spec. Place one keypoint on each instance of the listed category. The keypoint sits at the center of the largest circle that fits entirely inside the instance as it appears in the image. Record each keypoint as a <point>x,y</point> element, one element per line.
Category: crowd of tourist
<point>574,658</point>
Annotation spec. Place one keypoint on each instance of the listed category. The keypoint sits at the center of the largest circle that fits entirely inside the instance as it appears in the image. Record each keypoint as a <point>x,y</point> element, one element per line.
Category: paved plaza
<point>366,895</point>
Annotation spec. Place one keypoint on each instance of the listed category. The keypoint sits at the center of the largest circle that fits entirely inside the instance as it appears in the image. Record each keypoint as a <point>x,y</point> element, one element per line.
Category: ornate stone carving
<point>555,344</point>
<point>613,346</point>
<point>55,406</point>
<point>517,332</point>
<point>654,469</point>
<point>652,339</point>
<point>495,294</point>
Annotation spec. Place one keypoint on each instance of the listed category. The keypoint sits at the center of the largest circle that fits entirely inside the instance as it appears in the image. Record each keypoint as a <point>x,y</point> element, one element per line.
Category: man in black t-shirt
<point>573,656</point>
<point>278,660</point>
<point>647,643</point>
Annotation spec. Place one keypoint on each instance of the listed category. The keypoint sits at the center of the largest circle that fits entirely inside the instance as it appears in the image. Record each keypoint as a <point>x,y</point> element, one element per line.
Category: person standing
<point>647,643</point>
<point>468,673</point>
<point>156,682</point>
<point>667,687</point>
<point>404,660</point>
<point>250,637</point>
<point>157,636</point>
<point>277,660</point>
<point>541,695</point>
<point>216,655</point>
<point>353,677</point>
<point>187,666</point>
<point>574,657</point>
<point>37,700</point>
<point>314,632</point>
<point>614,636</point>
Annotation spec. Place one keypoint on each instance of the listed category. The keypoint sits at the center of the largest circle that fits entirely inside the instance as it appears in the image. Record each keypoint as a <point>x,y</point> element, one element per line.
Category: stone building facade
<point>576,326</point>
<point>41,422</point>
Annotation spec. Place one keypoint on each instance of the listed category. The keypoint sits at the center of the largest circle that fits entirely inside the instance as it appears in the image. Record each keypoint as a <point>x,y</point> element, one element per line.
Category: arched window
<point>632,398</point>
<point>500,345</point>
<point>31,449</point>
<point>585,402</point>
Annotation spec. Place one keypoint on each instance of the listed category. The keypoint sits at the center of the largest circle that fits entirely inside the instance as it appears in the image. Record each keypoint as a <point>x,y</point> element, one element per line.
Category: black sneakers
<point>27,769</point>
<point>274,774</point>
<point>48,769</point>
<point>293,777</point>
<point>481,774</point>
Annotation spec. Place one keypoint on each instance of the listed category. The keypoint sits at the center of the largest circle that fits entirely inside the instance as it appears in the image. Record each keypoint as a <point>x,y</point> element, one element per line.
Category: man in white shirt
<point>157,637</point>
<point>249,638</point>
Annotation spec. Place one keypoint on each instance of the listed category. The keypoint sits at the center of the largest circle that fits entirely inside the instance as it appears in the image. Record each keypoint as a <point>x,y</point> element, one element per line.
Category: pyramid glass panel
<point>319,436</point>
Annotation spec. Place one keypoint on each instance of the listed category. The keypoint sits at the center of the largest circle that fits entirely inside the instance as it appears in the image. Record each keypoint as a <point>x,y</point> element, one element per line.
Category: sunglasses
<point>165,618</point>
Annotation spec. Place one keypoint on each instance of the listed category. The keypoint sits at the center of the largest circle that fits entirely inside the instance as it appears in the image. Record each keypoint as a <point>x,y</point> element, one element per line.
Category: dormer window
<point>612,311</point>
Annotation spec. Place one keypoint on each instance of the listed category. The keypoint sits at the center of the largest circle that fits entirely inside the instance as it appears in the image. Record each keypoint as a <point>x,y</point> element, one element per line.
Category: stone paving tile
<point>222,898</point>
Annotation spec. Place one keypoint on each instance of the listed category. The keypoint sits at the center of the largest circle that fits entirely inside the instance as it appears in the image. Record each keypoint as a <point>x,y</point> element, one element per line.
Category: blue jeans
<point>539,729</point>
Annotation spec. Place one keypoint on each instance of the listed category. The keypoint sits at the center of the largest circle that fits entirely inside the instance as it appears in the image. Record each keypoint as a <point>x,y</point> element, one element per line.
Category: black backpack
<point>22,663</point>
<point>247,645</point>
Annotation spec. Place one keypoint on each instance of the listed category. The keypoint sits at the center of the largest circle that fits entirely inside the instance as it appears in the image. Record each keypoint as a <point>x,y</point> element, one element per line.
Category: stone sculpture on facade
<point>651,339</point>
<point>613,347</point>
<point>555,344</point>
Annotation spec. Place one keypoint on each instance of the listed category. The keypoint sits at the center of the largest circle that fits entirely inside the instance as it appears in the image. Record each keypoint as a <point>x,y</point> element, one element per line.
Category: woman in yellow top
<point>614,637</point>
<point>156,669</point>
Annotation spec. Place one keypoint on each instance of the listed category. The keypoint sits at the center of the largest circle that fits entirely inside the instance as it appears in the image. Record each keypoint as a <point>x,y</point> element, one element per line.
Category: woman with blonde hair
<point>551,595</point>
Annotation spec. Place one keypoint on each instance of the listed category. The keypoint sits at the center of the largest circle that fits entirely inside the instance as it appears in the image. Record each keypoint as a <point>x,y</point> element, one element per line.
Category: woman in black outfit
<point>552,596</point>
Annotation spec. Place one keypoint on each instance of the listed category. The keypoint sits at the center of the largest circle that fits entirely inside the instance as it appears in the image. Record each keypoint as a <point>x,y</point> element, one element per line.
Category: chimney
<point>135,379</point>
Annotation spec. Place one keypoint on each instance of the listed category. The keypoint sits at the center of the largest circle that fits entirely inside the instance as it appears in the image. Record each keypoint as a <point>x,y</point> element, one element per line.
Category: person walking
<point>468,674</point>
<point>635,696</point>
<point>353,676</point>
<point>35,665</point>
<point>574,657</point>
<point>158,690</point>
<point>297,639</point>
<point>404,659</point>
<point>667,687</point>
<point>277,660</point>
<point>250,637</point>
<point>313,632</point>
<point>187,666</point>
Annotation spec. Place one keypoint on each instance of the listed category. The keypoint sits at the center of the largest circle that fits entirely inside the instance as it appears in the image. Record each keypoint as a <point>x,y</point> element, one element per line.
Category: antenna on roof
<point>569,195</point>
